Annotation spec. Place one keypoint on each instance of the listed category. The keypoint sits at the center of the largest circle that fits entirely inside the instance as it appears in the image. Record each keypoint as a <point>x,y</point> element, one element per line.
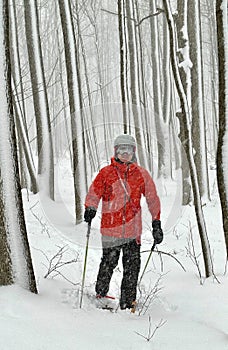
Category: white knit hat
<point>125,139</point>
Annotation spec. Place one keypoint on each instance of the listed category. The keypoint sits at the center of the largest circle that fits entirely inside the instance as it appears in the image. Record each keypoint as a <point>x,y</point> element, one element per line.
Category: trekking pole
<point>85,261</point>
<point>147,262</point>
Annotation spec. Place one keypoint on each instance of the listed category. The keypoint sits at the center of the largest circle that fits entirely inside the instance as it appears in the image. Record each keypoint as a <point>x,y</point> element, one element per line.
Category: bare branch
<point>43,225</point>
<point>110,12</point>
<point>133,19</point>
<point>192,254</point>
<point>149,16</point>
<point>151,335</point>
<point>165,253</point>
<point>148,296</point>
<point>194,257</point>
<point>56,262</point>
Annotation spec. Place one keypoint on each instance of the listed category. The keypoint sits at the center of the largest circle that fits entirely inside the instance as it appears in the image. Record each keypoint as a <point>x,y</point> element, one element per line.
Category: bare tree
<point>88,115</point>
<point>197,97</point>
<point>210,74</point>
<point>161,132</point>
<point>19,106</point>
<point>222,150</point>
<point>134,81</point>
<point>185,118</point>
<point>74,101</point>
<point>15,259</point>
<point>180,23</point>
<point>122,63</point>
<point>40,99</point>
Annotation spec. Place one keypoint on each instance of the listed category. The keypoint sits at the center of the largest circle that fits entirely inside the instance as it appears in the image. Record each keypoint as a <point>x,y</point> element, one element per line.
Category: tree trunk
<point>76,117</point>
<point>222,150</point>
<point>198,117</point>
<point>185,117</point>
<point>134,84</point>
<point>43,125</point>
<point>122,65</point>
<point>25,148</point>
<point>180,23</point>
<point>161,132</point>
<point>15,258</point>
<point>19,104</point>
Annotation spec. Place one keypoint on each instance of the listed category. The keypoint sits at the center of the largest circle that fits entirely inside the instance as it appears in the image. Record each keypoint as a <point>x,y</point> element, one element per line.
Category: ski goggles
<point>125,149</point>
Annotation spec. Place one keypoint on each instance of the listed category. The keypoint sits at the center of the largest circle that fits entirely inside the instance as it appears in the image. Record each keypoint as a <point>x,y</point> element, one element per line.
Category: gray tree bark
<point>222,150</point>
<point>41,106</point>
<point>134,82</point>
<point>122,65</point>
<point>15,258</point>
<point>74,101</point>
<point>27,167</point>
<point>185,117</point>
<point>161,131</point>
<point>186,182</point>
<point>197,97</point>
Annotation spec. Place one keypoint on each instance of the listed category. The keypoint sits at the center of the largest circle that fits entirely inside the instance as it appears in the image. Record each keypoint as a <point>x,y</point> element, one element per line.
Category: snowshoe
<point>106,302</point>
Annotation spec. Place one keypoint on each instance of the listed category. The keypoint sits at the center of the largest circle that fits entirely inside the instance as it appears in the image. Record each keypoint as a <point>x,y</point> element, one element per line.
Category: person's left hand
<point>157,231</point>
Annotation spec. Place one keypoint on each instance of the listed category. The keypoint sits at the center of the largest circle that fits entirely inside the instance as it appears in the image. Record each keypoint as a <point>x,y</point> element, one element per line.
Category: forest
<point>75,74</point>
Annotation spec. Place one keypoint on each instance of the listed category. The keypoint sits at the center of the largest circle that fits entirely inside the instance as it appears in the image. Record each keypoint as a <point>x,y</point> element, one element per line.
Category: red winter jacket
<point>120,186</point>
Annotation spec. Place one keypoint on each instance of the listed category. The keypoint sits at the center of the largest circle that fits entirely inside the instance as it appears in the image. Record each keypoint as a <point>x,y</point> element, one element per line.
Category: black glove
<point>89,214</point>
<point>157,231</point>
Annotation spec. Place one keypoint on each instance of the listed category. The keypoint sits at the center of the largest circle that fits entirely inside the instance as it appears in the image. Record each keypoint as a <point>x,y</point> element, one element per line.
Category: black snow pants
<point>131,261</point>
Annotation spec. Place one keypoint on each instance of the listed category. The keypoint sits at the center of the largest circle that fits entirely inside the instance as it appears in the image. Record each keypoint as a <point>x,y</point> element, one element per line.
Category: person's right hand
<point>89,214</point>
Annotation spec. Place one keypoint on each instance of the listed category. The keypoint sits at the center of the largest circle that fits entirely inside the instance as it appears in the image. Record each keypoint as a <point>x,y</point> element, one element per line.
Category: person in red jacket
<point>120,186</point>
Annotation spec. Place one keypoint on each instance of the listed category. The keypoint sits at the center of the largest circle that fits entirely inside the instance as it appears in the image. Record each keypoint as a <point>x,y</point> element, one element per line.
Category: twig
<point>165,253</point>
<point>151,335</point>
<point>56,263</point>
<point>192,254</point>
<point>149,16</point>
<point>133,19</point>
<point>43,225</point>
<point>149,297</point>
<point>65,278</point>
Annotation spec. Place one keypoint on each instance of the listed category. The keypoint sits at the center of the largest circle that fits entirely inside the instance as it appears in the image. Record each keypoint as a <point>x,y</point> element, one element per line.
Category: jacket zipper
<point>125,202</point>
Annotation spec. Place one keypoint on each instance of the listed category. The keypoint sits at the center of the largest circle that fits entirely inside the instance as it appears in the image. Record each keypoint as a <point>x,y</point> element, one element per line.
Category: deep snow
<point>195,315</point>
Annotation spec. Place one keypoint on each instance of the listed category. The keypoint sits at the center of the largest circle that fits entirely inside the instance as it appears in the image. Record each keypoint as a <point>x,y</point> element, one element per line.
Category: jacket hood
<point>122,167</point>
<point>115,161</point>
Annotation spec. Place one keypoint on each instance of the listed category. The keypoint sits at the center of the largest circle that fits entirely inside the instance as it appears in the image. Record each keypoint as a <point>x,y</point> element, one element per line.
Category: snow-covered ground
<point>184,311</point>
